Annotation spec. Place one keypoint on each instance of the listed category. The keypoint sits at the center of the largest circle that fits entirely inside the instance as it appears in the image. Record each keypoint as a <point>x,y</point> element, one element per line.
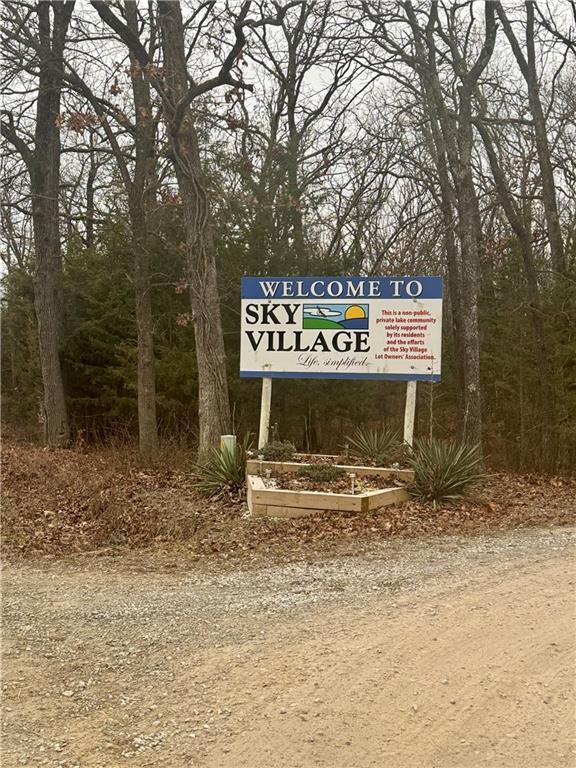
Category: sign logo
<point>335,317</point>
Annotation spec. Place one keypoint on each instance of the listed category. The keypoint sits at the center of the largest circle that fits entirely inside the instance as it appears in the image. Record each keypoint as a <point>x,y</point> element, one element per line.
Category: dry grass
<point>62,502</point>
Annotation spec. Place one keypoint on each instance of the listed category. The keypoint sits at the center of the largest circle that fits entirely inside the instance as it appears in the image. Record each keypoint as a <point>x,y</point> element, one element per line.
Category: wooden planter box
<point>253,468</point>
<point>275,502</point>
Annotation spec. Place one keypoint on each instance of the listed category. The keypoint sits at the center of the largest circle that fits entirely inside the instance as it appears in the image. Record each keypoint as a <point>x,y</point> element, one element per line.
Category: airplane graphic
<point>335,316</point>
<point>321,312</point>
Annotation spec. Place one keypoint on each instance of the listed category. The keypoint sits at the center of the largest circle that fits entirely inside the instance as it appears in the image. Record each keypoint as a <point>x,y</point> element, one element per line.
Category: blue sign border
<point>365,376</point>
<point>432,288</point>
<point>378,288</point>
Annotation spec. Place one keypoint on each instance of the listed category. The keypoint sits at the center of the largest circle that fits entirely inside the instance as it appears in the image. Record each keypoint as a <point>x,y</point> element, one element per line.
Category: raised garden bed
<point>257,467</point>
<point>294,481</point>
<point>265,497</point>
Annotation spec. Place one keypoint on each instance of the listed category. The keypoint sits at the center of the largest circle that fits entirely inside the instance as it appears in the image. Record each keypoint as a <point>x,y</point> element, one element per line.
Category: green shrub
<point>321,473</point>
<point>225,471</point>
<point>444,470</point>
<point>381,444</point>
<point>278,450</point>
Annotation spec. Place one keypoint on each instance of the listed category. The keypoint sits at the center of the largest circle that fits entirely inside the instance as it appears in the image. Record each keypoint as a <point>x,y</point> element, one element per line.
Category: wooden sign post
<point>409,413</point>
<point>265,411</point>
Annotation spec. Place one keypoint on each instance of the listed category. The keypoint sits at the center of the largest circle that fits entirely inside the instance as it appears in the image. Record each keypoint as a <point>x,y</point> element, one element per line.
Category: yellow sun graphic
<point>354,312</point>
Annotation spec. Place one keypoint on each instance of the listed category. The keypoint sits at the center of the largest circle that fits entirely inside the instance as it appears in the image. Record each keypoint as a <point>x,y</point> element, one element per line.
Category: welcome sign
<point>342,327</point>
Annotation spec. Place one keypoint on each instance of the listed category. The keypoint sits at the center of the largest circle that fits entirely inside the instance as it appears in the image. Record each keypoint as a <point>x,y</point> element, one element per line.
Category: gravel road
<point>428,653</point>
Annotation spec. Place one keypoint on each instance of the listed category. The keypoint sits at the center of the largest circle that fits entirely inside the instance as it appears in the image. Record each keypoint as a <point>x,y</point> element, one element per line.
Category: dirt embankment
<point>435,652</point>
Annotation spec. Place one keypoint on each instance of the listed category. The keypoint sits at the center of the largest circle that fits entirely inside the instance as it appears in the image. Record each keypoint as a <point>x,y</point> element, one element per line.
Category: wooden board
<point>284,503</point>
<point>312,499</point>
<point>252,483</point>
<point>385,497</point>
<point>401,474</point>
<point>253,468</point>
<point>321,455</point>
<point>258,510</point>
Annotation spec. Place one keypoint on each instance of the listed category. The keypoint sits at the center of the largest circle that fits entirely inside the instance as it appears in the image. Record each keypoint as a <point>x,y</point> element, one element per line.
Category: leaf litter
<point>61,503</point>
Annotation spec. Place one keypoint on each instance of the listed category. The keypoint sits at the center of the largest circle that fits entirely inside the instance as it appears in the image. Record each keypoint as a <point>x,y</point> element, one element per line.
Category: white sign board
<point>342,327</point>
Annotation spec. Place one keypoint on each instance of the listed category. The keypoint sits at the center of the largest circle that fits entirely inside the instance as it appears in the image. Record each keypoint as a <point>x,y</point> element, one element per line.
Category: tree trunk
<point>301,261</point>
<point>457,140</point>
<point>90,180</point>
<point>437,149</point>
<point>544,156</point>
<point>470,273</point>
<point>45,187</point>
<point>141,202</point>
<point>472,428</point>
<point>48,306</point>
<point>213,405</point>
<point>147,426</point>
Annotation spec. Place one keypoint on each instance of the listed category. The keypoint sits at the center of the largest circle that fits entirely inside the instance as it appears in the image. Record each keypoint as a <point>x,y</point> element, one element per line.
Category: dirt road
<point>427,653</point>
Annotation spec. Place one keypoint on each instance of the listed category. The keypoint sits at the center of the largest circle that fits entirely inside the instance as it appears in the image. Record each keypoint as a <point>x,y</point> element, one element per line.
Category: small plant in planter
<point>401,455</point>
<point>444,470</point>
<point>321,473</point>
<point>278,450</point>
<point>381,445</point>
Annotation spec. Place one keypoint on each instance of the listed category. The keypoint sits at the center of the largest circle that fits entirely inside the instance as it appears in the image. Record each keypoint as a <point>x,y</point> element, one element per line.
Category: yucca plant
<point>444,470</point>
<point>379,444</point>
<point>225,471</point>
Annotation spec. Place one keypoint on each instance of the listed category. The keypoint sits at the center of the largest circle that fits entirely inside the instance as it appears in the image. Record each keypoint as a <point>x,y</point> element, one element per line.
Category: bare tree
<point>213,405</point>
<point>141,200</point>
<point>50,22</point>
<point>520,219</point>
<point>311,76</point>
<point>451,126</point>
<point>548,21</point>
<point>178,91</point>
<point>136,165</point>
<point>15,216</point>
<point>527,64</point>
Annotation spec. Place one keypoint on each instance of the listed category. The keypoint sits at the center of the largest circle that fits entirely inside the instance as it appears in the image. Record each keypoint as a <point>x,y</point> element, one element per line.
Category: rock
<point>68,693</point>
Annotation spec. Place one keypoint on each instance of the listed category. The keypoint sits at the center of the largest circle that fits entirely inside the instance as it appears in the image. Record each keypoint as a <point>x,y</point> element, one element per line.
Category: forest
<point>155,153</point>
